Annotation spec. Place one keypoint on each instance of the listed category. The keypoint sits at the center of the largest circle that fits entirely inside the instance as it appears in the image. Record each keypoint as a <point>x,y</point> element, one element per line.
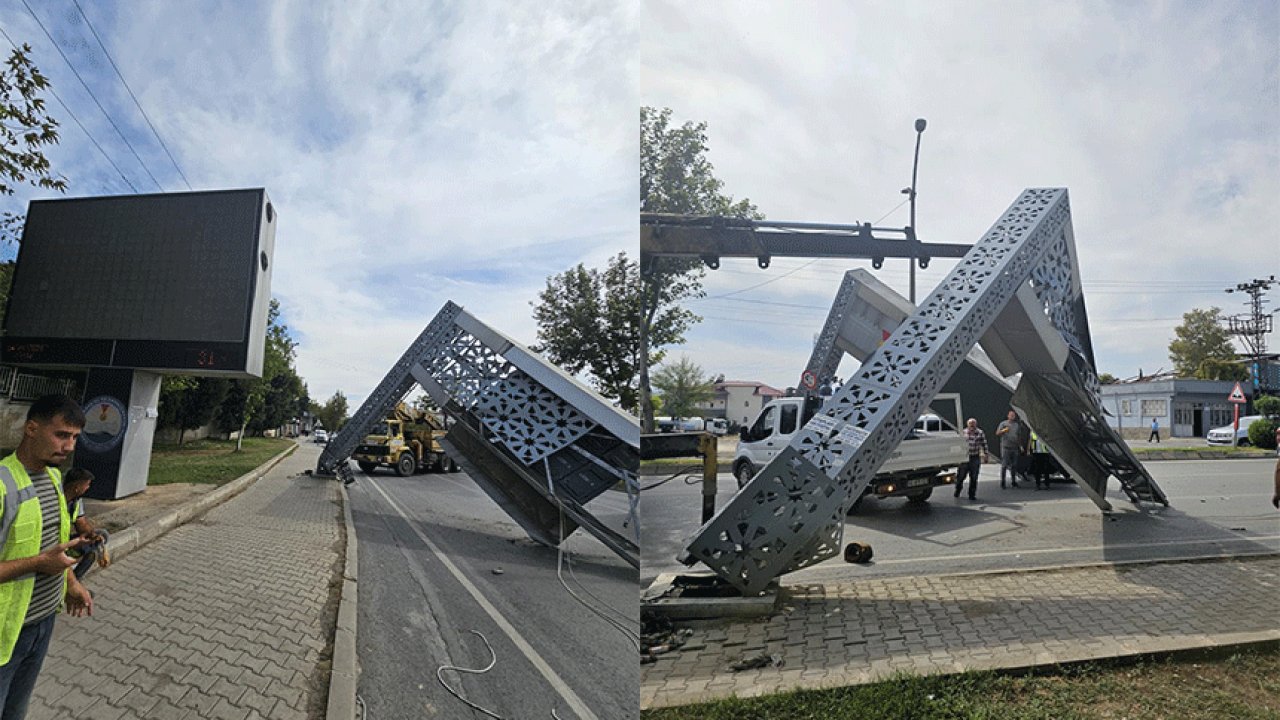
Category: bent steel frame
<point>1022,274</point>
<point>538,442</point>
<point>866,310</point>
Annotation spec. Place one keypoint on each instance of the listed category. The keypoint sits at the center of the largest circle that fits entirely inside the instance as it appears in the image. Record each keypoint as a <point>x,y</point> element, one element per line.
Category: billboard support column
<point>120,408</point>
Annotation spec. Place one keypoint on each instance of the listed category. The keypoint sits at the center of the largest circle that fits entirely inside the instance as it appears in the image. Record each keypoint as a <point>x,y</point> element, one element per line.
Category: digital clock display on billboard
<point>176,281</point>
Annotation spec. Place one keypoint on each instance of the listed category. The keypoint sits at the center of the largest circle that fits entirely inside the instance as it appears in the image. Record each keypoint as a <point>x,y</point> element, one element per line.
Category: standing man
<point>1155,430</point>
<point>977,441</point>
<point>33,557</point>
<point>1011,447</point>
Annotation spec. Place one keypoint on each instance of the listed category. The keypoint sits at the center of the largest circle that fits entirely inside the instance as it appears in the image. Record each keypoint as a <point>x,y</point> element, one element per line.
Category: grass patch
<point>1227,449</point>
<point>1242,686</point>
<point>210,461</point>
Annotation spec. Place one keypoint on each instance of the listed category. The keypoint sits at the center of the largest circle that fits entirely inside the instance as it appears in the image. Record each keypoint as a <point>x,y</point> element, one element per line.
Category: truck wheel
<point>450,466</point>
<point>920,498</point>
<point>405,465</point>
<point>366,467</point>
<point>743,472</point>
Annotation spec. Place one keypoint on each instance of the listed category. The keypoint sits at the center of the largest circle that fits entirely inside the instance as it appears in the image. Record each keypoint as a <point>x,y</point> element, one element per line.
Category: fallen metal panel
<point>790,515</point>
<point>536,440</point>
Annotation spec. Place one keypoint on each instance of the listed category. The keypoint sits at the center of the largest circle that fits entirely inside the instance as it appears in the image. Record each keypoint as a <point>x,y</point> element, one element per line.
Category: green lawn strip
<point>210,461</point>
<point>1244,686</point>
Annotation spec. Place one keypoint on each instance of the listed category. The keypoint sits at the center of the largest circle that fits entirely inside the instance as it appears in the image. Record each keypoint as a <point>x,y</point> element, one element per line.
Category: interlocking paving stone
<point>188,626</point>
<point>943,624</point>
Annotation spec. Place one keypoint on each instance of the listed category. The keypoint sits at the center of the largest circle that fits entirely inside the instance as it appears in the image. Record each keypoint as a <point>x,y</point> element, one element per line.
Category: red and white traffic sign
<point>1237,395</point>
<point>809,379</point>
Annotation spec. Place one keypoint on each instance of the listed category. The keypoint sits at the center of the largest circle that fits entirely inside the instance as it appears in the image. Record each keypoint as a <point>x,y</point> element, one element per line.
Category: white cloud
<point>416,152</point>
<point>1162,120</point>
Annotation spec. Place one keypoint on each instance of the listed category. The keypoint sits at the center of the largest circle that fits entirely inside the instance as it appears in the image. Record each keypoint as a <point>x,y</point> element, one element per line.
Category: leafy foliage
<point>1217,369</point>
<point>587,321</point>
<point>333,413</point>
<point>25,130</point>
<point>1268,405</point>
<point>1262,433</point>
<point>1107,379</point>
<point>683,387</point>
<point>675,177</point>
<point>1200,337</point>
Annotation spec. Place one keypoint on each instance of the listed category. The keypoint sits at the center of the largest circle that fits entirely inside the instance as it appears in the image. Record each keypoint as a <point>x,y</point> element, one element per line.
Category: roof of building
<point>760,388</point>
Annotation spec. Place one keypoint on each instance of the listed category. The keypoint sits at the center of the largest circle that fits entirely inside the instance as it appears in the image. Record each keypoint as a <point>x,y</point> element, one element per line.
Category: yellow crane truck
<point>408,442</point>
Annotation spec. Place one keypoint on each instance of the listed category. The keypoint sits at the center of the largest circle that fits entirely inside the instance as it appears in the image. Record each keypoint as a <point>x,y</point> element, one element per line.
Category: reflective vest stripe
<point>12,499</point>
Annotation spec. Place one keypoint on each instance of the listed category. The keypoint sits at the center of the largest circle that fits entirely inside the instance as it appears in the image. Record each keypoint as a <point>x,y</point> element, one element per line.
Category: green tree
<point>273,399</point>
<point>1268,405</point>
<point>675,177</point>
<point>683,387</point>
<point>1218,369</point>
<point>25,129</point>
<point>1107,379</point>
<point>333,413</point>
<point>1200,337</point>
<point>587,321</point>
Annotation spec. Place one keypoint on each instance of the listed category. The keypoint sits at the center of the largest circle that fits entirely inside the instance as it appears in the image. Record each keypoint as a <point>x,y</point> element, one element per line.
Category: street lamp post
<point>911,196</point>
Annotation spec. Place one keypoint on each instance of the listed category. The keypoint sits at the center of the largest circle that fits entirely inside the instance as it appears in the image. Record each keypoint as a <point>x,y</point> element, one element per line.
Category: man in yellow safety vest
<point>34,532</point>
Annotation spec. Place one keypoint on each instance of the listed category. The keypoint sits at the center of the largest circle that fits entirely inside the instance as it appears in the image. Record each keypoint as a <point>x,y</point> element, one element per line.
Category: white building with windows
<point>1184,407</point>
<point>739,401</point>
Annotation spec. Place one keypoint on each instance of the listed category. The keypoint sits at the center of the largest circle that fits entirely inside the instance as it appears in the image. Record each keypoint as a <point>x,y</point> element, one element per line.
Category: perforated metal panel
<point>537,441</point>
<point>791,514</point>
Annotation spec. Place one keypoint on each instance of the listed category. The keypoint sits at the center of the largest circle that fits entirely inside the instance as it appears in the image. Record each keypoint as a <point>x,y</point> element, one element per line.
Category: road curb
<point>1245,557</point>
<point>344,673</point>
<point>131,538</point>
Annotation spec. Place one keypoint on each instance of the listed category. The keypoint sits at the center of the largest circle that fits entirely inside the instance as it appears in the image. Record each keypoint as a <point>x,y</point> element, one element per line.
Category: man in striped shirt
<point>34,580</point>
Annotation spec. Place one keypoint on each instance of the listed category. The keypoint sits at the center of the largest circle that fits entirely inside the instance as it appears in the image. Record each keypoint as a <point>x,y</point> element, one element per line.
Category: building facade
<point>739,401</point>
<point>1184,407</point>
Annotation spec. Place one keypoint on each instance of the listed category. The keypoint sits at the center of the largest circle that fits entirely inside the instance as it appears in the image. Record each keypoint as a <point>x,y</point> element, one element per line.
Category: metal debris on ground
<point>658,635</point>
<point>756,661</point>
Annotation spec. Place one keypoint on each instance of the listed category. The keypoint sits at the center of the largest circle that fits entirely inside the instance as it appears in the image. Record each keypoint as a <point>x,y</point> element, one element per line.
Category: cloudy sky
<point>416,152</point>
<point>1162,119</point>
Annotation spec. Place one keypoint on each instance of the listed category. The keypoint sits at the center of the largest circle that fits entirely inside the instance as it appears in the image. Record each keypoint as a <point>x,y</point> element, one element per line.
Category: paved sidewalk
<point>227,616</point>
<point>858,632</point>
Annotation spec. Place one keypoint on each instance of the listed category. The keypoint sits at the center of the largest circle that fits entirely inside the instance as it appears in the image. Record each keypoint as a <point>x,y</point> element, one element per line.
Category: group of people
<point>1016,445</point>
<point>41,563</point>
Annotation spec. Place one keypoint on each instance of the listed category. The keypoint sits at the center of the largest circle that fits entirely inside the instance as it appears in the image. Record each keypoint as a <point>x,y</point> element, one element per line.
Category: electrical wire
<point>686,470</point>
<point>78,123</point>
<point>632,636</point>
<point>493,661</point>
<point>94,97</point>
<point>130,91</point>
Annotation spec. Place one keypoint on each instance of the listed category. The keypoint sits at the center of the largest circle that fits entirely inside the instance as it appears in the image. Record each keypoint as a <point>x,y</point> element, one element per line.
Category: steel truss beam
<point>535,440</point>
<point>791,515</point>
<point>866,310</point>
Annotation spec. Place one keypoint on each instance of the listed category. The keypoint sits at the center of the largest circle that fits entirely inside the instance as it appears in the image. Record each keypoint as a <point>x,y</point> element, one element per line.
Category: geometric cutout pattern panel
<point>787,516</point>
<point>528,419</point>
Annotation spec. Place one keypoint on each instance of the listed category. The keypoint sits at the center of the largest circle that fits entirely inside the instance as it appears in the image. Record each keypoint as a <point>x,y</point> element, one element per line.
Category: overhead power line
<point>91,95</point>
<point>87,134</point>
<point>130,91</point>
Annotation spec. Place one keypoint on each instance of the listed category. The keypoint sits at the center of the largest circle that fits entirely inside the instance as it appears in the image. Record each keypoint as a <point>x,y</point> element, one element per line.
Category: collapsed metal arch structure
<point>1018,292</point>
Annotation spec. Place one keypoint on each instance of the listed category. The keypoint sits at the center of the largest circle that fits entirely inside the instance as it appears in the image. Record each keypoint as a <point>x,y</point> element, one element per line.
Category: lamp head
<point>920,123</point>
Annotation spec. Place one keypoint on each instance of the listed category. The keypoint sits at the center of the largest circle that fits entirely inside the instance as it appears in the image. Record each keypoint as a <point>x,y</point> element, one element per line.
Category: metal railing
<point>16,385</point>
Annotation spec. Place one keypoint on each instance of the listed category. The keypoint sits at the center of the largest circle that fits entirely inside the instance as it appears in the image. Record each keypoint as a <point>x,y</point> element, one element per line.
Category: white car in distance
<point>1222,435</point>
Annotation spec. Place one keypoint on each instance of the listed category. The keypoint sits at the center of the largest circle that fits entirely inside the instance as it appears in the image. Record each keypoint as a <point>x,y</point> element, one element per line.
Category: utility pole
<point>1254,326</point>
<point>911,195</point>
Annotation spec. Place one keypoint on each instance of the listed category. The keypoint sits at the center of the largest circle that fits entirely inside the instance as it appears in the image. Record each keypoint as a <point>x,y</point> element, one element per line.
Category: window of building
<point>1126,407</point>
<point>1155,408</point>
<point>1183,414</point>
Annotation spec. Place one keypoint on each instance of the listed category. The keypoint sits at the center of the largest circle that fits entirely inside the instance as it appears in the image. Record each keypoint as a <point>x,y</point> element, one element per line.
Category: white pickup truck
<point>927,458</point>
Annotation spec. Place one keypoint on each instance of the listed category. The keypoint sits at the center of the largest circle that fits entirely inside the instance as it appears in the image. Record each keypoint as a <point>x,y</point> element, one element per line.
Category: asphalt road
<point>431,547</point>
<point>1217,508</point>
